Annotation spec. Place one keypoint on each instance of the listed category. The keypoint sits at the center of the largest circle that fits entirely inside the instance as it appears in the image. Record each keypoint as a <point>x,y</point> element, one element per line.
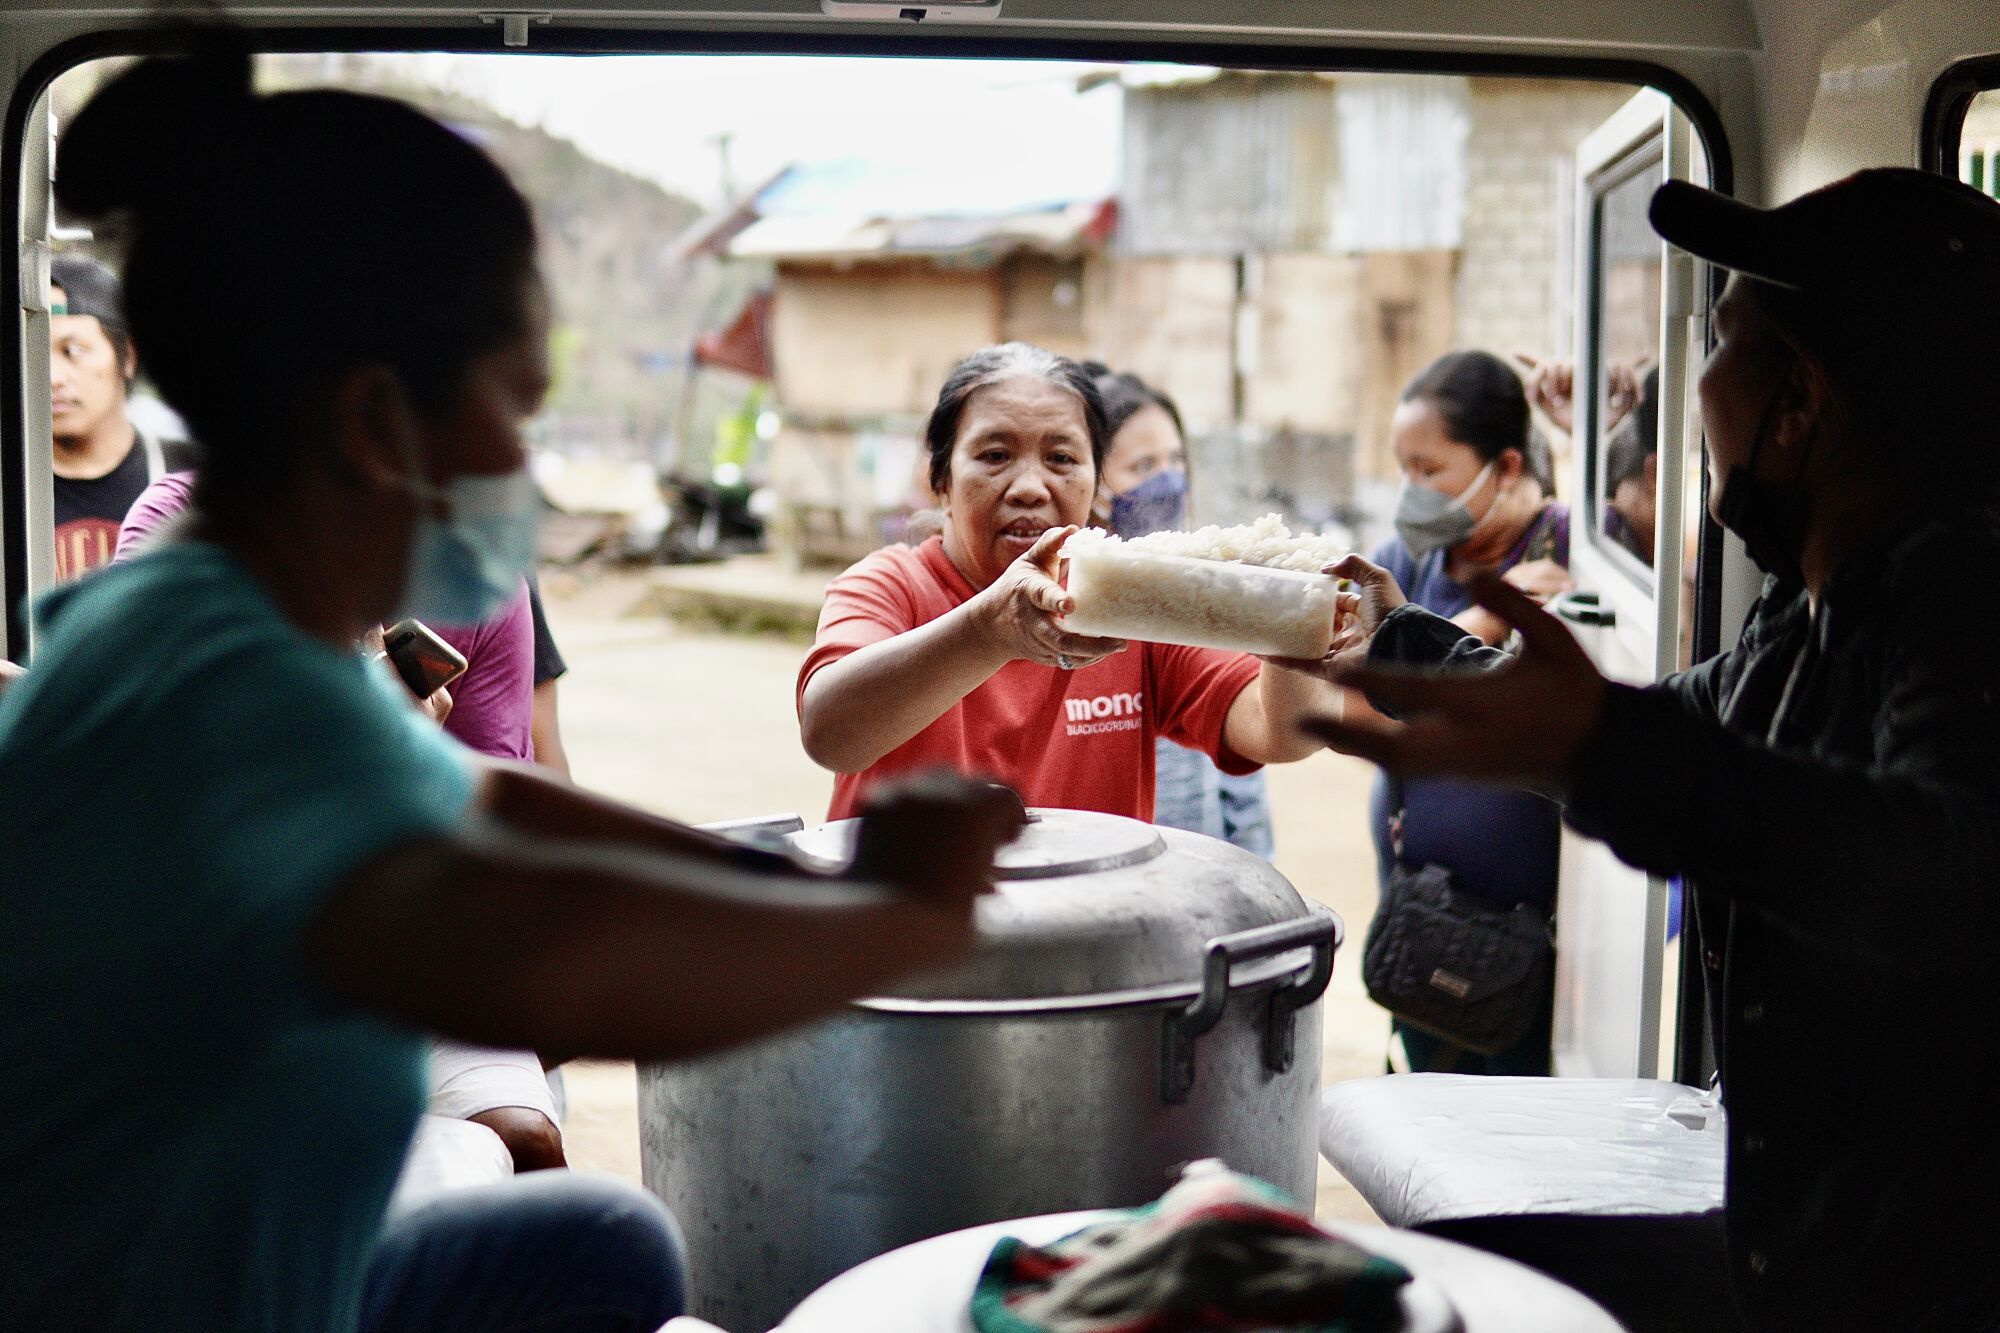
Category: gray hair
<point>1005,361</point>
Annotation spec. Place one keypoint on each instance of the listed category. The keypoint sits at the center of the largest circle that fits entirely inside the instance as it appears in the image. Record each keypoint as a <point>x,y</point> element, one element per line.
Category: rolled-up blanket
<point>1219,1251</point>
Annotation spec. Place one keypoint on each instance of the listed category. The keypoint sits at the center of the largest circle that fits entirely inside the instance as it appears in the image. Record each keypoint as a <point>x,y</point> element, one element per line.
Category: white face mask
<point>1429,520</point>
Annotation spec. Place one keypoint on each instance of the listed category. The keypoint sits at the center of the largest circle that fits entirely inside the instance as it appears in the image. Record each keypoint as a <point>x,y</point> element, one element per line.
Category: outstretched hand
<point>1021,610</point>
<point>1357,615</point>
<point>933,836</point>
<point>1525,722</point>
<point>1376,594</point>
<point>1550,384</point>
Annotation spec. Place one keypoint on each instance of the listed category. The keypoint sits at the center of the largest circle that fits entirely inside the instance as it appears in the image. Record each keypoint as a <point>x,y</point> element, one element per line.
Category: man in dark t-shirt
<point>101,462</point>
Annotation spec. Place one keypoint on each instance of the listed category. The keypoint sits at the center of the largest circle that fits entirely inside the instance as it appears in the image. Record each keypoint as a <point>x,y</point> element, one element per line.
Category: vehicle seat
<point>1424,1148</point>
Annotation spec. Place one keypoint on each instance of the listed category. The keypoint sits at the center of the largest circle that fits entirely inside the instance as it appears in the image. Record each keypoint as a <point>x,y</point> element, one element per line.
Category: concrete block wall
<point>1513,287</point>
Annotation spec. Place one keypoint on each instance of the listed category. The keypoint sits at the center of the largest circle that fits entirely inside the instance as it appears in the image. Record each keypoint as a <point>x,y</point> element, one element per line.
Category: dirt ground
<point>699,725</point>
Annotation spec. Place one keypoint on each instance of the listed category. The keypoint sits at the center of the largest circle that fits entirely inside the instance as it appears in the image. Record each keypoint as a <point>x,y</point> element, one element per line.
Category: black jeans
<point>1654,1274</point>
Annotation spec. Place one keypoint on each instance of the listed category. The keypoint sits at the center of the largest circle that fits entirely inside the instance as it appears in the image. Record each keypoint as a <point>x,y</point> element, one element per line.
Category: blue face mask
<point>467,565</point>
<point>1157,504</point>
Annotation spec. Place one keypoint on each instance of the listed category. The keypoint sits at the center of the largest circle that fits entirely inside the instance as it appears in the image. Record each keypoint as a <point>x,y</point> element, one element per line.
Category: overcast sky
<point>658,116</point>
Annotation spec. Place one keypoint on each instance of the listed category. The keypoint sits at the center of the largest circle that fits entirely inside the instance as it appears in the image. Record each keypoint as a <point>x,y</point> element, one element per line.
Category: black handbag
<point>1444,961</point>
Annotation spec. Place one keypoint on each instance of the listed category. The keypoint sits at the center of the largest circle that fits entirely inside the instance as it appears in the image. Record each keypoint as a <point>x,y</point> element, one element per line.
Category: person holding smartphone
<point>496,667</point>
<point>492,713</point>
<point>220,968</point>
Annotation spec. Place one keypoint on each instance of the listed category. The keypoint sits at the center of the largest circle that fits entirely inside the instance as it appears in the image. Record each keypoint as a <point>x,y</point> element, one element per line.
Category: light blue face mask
<point>1429,520</point>
<point>466,566</point>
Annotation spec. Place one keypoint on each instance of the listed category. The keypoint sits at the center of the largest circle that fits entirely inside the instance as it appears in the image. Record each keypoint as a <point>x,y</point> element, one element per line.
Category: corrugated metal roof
<point>1228,165</point>
<point>1060,231</point>
<point>1287,160</point>
<point>978,183</point>
<point>977,208</point>
<point>1402,180</point>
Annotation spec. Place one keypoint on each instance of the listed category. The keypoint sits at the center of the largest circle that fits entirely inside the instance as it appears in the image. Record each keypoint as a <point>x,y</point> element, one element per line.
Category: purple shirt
<point>492,704</point>
<point>159,502</point>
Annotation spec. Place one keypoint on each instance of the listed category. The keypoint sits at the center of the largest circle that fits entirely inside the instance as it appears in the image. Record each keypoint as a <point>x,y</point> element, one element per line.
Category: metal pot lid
<point>1090,904</point>
<point>1054,843</point>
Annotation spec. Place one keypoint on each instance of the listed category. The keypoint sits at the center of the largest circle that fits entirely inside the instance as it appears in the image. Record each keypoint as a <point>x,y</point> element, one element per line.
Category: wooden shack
<point>1281,252</point>
<point>1293,247</point>
<point>870,311</point>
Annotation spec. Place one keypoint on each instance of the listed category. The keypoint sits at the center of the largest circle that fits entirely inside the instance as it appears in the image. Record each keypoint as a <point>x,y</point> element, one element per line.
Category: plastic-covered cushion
<point>1423,1148</point>
<point>447,1155</point>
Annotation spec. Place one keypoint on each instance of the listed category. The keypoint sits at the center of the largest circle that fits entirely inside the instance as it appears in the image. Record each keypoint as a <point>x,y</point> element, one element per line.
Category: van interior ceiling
<point>771,227</point>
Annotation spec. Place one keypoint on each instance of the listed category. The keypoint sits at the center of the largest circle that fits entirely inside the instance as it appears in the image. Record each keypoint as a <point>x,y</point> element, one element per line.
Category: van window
<point>1624,444</point>
<point>764,266</point>
<point>1979,144</point>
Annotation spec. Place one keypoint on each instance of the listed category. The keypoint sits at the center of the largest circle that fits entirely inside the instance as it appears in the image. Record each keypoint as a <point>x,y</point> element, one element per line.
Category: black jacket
<point>1832,786</point>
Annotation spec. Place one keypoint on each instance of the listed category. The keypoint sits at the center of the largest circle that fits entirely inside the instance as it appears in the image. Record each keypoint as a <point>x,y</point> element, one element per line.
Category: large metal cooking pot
<point>1139,998</point>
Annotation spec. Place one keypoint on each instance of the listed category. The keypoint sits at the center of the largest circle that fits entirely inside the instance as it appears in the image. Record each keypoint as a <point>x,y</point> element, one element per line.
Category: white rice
<point>1253,589</point>
<point>1267,542</point>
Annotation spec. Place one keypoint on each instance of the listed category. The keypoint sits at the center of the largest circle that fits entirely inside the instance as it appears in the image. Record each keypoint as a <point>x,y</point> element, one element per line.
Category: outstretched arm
<point>603,945</point>
<point>1264,723</point>
<point>861,707</point>
<point>1892,859</point>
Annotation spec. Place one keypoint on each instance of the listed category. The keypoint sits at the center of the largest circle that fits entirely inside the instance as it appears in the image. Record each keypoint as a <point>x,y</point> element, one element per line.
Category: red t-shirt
<point>1075,740</point>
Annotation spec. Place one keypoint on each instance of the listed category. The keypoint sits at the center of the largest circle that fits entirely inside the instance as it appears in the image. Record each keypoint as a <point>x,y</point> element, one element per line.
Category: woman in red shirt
<point>953,652</point>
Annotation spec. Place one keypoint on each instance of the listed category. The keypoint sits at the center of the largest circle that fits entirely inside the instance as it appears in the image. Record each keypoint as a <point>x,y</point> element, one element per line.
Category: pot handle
<point>1320,932</point>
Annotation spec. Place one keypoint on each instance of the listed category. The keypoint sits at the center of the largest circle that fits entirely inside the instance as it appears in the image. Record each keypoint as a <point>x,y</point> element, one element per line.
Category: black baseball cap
<point>1895,241</point>
<point>89,288</point>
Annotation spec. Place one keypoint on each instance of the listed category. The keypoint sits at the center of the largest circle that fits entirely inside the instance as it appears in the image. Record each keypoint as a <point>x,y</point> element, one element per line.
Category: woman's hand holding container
<point>1020,611</point>
<point>1255,589</point>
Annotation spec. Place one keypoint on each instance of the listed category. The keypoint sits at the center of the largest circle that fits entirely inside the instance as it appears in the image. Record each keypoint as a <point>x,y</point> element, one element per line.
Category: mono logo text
<point>1107,712</point>
<point>1104,705</point>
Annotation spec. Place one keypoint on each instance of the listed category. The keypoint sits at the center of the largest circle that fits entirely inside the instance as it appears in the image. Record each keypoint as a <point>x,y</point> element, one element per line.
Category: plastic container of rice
<point>1254,589</point>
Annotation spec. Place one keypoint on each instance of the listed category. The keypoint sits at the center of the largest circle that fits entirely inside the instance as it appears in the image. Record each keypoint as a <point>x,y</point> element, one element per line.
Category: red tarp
<point>744,345</point>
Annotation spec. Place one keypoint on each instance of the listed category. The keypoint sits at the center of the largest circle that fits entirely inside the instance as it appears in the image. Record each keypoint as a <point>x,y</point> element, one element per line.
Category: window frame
<point>35,80</point>
<point>1647,156</point>
<point>1945,109</point>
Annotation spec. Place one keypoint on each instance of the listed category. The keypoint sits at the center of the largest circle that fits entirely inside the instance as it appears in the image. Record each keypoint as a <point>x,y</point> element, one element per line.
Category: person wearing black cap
<point>1831,786</point>
<point>101,461</point>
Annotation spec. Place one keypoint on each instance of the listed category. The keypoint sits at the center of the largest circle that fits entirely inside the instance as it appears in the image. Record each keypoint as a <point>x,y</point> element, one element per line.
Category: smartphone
<point>425,662</point>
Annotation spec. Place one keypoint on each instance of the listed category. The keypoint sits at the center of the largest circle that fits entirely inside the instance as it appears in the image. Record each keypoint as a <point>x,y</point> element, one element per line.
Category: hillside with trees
<point>627,307</point>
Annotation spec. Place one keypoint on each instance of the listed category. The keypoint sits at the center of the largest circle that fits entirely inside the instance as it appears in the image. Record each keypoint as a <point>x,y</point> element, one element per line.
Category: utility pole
<point>728,173</point>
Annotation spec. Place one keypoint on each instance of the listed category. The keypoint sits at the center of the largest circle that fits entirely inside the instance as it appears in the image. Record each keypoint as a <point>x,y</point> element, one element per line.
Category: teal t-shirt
<point>195,1135</point>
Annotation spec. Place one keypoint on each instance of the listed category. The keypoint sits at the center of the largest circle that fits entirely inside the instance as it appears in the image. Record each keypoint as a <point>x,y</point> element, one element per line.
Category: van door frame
<point>567,39</point>
<point>26,500</point>
<point>23,342</point>
<point>1606,910</point>
<point>19,338</point>
<point>1945,109</point>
